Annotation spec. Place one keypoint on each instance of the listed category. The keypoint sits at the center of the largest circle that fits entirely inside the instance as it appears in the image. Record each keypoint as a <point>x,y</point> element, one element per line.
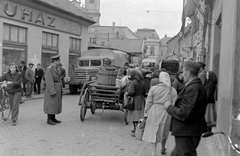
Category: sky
<point>162,15</point>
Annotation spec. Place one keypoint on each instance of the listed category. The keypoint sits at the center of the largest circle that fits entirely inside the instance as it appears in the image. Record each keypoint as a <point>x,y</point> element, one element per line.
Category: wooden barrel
<point>107,76</point>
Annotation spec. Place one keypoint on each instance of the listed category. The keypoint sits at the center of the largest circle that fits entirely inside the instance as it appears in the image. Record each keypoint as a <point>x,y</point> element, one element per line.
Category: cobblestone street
<point>98,135</point>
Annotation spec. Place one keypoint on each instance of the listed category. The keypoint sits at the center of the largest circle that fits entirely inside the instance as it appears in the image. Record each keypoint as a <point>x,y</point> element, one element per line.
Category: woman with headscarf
<point>158,121</point>
<point>137,91</point>
<point>178,83</point>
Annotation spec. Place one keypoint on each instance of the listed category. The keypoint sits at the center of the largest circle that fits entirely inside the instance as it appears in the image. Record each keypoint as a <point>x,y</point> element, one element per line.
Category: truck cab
<point>89,64</point>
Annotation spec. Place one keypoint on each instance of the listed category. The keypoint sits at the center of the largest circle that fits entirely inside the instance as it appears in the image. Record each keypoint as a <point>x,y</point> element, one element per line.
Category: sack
<point>139,133</point>
<point>130,104</point>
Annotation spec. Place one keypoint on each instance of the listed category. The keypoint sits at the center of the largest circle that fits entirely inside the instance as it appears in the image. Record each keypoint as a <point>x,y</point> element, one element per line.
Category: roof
<point>164,40</point>
<point>127,45</point>
<point>178,35</point>
<point>121,32</point>
<point>147,33</point>
<point>66,6</point>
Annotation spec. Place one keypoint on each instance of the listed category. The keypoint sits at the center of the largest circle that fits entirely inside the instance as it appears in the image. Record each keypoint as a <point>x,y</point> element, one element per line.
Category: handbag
<point>130,104</point>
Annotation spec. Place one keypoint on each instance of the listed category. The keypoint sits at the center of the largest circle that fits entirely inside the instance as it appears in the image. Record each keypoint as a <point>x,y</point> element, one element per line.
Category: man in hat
<point>202,72</point>
<point>53,91</point>
<point>29,76</point>
<point>38,79</point>
<point>23,69</point>
<point>188,122</point>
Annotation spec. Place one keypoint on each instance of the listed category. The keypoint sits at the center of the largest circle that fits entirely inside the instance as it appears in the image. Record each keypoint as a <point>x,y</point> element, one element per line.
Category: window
<point>84,63</point>
<point>75,44</point>
<point>14,33</point>
<point>49,39</point>
<point>152,50</point>
<point>95,62</point>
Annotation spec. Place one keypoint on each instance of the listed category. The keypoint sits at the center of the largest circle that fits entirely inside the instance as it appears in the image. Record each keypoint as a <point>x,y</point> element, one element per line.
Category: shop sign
<point>25,14</point>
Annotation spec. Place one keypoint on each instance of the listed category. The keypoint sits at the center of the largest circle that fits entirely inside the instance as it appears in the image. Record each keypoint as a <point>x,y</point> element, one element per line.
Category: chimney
<point>113,24</point>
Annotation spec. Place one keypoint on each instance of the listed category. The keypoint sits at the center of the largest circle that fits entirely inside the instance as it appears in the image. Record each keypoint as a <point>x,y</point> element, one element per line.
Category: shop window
<point>12,54</point>
<point>50,39</point>
<point>49,48</point>
<point>74,44</point>
<point>12,33</point>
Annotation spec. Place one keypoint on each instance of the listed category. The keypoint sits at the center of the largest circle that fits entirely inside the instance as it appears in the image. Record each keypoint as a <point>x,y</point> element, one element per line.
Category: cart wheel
<point>93,109</point>
<point>83,112</point>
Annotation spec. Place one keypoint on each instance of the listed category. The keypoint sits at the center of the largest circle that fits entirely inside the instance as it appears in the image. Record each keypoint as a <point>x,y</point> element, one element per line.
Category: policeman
<point>53,91</point>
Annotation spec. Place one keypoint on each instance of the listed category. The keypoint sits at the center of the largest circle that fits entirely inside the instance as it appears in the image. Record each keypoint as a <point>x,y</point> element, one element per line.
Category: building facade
<point>33,31</point>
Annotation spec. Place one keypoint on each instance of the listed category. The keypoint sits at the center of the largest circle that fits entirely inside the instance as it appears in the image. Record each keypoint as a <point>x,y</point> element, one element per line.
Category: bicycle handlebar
<point>233,146</point>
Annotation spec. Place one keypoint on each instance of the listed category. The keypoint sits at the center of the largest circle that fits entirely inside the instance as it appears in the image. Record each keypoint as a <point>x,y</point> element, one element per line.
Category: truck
<point>89,64</point>
<point>150,62</point>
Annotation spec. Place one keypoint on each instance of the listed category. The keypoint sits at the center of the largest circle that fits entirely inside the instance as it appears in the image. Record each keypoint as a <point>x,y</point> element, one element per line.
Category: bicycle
<point>5,109</point>
<point>233,146</point>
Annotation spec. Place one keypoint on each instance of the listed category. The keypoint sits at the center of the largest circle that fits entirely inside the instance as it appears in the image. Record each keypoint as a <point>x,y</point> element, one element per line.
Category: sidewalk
<point>41,95</point>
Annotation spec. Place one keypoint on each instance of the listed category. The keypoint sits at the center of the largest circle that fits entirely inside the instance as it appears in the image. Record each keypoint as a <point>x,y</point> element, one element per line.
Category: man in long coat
<point>53,91</point>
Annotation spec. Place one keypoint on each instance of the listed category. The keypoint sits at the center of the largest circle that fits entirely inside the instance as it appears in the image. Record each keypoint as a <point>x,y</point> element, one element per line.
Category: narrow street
<point>99,135</point>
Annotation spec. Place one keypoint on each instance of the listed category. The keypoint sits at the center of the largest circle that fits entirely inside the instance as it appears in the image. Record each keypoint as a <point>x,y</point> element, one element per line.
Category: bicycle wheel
<point>5,108</point>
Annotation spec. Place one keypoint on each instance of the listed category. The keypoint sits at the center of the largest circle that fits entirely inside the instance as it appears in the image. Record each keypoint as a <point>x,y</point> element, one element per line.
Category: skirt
<point>211,115</point>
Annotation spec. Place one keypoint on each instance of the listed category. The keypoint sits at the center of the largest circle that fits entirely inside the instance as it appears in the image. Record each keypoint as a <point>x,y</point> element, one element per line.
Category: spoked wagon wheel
<point>85,104</point>
<point>5,108</point>
<point>93,108</point>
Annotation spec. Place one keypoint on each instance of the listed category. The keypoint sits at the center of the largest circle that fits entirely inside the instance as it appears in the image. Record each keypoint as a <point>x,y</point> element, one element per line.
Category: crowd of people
<point>184,106</point>
<point>21,81</point>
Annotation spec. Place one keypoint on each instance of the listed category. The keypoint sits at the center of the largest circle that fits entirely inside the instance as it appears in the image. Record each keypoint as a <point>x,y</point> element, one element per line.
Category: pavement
<point>98,135</point>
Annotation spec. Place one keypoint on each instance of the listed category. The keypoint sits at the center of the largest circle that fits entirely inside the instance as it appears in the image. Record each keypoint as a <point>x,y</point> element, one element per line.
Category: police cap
<point>55,57</point>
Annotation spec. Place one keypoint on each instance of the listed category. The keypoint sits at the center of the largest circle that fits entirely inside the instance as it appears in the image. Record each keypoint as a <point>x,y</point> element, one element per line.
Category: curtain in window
<point>49,39</point>
<point>14,33</point>
<point>6,32</point>
<point>55,41</point>
<point>22,35</point>
<point>44,39</point>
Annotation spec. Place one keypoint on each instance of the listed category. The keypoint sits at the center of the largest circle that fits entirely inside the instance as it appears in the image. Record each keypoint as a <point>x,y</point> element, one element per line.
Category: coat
<point>178,85</point>
<point>53,91</point>
<point>38,73</point>
<point>158,121</point>
<point>189,110</point>
<point>29,76</point>
<point>16,79</point>
<point>137,91</point>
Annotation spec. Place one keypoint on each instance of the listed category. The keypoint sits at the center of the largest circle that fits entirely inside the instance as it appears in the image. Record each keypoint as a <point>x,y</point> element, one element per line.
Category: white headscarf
<point>165,78</point>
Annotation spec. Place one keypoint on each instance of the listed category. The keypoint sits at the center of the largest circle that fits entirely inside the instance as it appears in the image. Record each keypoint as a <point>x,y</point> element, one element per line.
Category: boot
<point>55,120</point>
<point>50,120</point>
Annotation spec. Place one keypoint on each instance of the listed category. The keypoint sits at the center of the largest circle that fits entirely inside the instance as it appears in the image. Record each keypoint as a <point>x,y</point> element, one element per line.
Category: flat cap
<point>55,57</point>
<point>192,66</point>
<point>201,64</point>
<point>30,64</point>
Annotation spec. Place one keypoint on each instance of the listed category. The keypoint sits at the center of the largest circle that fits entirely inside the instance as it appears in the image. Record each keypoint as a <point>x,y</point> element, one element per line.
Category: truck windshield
<point>83,63</point>
<point>148,64</point>
<point>95,62</point>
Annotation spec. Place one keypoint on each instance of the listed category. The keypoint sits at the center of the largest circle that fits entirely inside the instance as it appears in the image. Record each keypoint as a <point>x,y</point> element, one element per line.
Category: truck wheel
<point>73,89</point>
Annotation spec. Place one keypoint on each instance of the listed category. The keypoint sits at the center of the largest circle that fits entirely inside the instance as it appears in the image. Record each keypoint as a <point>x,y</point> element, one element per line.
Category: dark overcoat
<point>137,91</point>
<point>189,110</point>
<point>53,91</point>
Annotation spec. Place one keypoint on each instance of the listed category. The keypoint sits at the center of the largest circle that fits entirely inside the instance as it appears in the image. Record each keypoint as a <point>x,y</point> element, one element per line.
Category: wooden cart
<point>94,96</point>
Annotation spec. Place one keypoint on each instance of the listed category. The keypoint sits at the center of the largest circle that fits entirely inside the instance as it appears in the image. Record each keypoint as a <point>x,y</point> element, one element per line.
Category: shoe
<point>133,131</point>
<point>27,96</point>
<point>57,121</point>
<point>51,122</point>
<point>21,102</point>
<point>14,123</point>
<point>133,135</point>
<point>35,93</point>
<point>163,151</point>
